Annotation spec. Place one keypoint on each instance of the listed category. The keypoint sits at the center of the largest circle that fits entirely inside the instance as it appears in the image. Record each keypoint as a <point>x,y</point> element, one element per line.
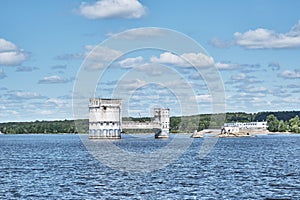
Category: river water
<point>60,167</point>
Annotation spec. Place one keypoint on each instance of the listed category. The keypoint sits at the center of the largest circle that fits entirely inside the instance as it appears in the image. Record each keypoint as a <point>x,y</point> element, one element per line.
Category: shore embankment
<point>241,133</point>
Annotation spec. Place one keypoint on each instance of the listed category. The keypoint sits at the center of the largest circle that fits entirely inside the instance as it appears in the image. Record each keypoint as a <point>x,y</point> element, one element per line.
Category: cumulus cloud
<point>243,80</point>
<point>99,57</point>
<point>10,54</point>
<point>7,45</point>
<point>238,77</point>
<point>269,39</point>
<point>112,9</point>
<point>195,59</point>
<point>288,74</point>
<point>12,58</point>
<point>255,89</point>
<point>17,95</point>
<point>291,100</point>
<point>56,102</point>
<point>131,62</point>
<point>227,66</point>
<point>52,80</point>
<point>203,98</point>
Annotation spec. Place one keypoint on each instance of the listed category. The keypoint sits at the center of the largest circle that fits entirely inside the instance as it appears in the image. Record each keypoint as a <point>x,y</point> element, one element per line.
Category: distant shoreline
<point>199,134</point>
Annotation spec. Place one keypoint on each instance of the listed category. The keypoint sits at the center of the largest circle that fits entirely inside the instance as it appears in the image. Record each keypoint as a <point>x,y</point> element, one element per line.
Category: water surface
<point>59,167</point>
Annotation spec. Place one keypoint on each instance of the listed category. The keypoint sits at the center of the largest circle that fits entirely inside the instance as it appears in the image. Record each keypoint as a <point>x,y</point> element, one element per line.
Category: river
<point>59,166</point>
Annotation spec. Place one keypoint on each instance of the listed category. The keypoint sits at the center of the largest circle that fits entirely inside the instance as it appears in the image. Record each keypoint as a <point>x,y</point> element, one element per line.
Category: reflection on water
<point>59,167</point>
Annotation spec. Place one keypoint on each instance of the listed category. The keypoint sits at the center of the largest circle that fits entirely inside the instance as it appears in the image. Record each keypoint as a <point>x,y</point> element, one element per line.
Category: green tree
<point>273,123</point>
<point>295,124</point>
<point>282,126</point>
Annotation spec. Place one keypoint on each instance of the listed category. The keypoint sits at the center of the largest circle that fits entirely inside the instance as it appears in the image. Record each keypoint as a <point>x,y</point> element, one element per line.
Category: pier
<point>105,120</point>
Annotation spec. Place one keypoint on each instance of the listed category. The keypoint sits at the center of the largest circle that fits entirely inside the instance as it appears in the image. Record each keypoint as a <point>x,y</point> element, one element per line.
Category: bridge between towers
<point>105,120</point>
<point>140,125</point>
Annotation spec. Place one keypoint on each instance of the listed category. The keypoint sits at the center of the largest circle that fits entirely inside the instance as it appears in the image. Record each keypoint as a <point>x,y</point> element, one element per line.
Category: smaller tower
<point>162,116</point>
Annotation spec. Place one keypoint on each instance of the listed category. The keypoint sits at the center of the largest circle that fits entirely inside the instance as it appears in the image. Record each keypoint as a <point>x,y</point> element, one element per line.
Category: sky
<point>254,46</point>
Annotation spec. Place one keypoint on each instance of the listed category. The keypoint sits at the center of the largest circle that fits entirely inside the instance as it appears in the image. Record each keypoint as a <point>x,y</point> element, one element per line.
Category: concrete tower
<point>105,118</point>
<point>162,116</point>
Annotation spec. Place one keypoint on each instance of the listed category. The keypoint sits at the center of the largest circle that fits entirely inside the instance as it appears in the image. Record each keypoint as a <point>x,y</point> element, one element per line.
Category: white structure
<point>230,129</point>
<point>105,120</point>
<point>248,125</point>
<point>237,127</point>
<point>162,116</point>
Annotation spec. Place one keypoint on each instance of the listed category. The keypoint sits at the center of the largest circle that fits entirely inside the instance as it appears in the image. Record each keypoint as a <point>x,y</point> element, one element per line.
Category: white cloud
<point>7,46</point>
<point>10,54</point>
<point>12,58</point>
<point>56,102</point>
<point>139,33</point>
<point>99,57</point>
<point>52,80</point>
<point>168,58</point>
<point>198,59</point>
<point>112,9</point>
<point>259,89</point>
<point>240,76</point>
<point>204,98</point>
<point>24,95</point>
<point>290,74</point>
<point>46,112</point>
<point>266,39</point>
<point>132,62</point>
<point>227,66</point>
<point>195,59</point>
<point>291,100</point>
<point>131,85</point>
<point>101,53</point>
<point>151,69</point>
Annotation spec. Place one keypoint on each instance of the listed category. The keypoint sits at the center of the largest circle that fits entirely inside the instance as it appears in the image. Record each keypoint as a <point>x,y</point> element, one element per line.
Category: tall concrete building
<point>105,118</point>
<point>162,116</point>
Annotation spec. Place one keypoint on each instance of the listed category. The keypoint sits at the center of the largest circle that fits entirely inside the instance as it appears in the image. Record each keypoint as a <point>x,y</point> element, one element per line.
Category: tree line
<point>277,121</point>
<point>291,125</point>
<point>58,126</point>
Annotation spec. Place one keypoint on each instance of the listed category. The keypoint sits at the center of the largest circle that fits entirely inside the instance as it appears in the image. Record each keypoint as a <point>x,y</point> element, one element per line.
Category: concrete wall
<point>140,125</point>
<point>162,116</point>
<point>105,118</point>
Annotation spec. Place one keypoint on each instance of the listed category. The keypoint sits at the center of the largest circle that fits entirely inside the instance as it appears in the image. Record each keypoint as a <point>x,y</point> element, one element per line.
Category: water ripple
<point>59,167</point>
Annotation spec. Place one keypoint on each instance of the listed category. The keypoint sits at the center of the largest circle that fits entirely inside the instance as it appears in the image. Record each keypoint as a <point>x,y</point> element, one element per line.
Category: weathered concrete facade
<point>105,120</point>
<point>162,116</point>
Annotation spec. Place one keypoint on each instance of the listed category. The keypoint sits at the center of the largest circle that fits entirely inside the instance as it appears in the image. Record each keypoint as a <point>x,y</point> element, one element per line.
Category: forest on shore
<point>281,121</point>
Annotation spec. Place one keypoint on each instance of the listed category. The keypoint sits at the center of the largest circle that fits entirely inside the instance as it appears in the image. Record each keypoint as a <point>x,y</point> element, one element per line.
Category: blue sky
<point>254,44</point>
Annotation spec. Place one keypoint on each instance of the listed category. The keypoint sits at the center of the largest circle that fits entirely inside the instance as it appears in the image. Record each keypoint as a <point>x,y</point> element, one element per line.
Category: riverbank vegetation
<point>281,121</point>
<point>291,125</point>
